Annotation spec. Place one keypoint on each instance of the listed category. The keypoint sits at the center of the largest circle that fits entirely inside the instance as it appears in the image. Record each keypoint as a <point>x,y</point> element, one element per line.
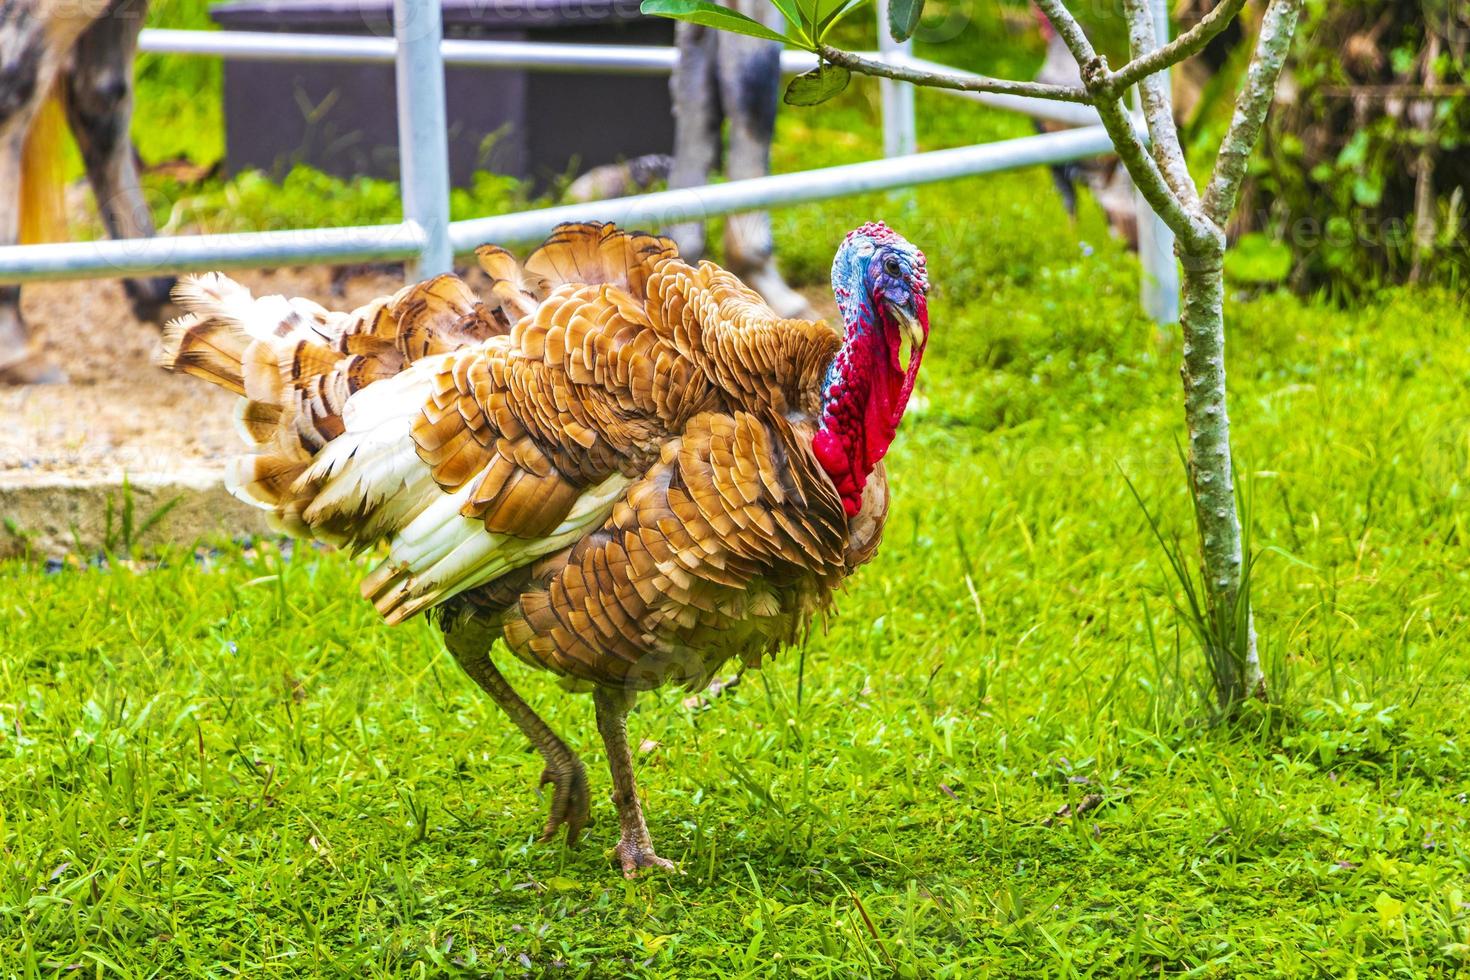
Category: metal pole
<point>1159,284</point>
<point>899,139</point>
<point>423,138</point>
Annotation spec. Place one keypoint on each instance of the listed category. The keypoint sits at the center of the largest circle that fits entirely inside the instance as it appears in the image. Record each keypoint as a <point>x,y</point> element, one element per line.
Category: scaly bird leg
<point>570,804</point>
<point>635,849</point>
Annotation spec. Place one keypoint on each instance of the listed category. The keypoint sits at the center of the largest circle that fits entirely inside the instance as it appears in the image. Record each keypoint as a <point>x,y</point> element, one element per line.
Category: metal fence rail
<point>122,257</point>
<point>427,240</point>
<point>595,59</point>
<point>423,132</point>
<point>549,56</point>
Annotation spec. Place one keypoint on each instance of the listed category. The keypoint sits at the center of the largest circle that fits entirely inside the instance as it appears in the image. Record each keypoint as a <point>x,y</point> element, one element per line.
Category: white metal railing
<point>900,136</point>
<point>132,256</point>
<point>623,59</point>
<point>428,240</point>
<point>423,132</point>
<point>550,56</point>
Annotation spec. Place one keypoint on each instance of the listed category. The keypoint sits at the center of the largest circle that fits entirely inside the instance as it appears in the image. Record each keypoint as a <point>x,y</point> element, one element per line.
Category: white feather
<point>403,394</point>
<point>217,296</point>
<point>445,553</point>
<point>437,529</point>
<point>373,468</point>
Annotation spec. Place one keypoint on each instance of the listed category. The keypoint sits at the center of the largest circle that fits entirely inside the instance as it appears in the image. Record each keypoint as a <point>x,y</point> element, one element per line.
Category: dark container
<point>342,118</point>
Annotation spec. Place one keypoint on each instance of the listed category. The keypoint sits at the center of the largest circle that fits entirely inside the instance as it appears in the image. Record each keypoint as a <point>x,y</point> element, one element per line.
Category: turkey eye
<point>891,266</point>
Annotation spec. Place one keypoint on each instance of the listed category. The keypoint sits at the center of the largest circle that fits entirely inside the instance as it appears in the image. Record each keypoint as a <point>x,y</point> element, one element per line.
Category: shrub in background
<point>1362,175</point>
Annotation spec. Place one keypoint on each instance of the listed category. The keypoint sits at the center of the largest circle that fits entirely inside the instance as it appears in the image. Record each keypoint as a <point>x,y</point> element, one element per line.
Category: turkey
<point>627,467</point>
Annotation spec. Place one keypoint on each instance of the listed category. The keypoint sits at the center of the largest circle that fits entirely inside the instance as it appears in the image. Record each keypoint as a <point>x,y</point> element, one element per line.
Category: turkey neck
<point>863,397</point>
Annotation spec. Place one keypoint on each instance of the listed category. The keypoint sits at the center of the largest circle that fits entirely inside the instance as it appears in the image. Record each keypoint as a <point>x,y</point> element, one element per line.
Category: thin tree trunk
<point>1198,220</point>
<point>1236,667</point>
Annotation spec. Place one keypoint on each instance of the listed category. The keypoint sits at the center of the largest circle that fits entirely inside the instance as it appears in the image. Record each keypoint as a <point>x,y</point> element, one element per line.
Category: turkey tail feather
<point>296,366</point>
<point>443,461</point>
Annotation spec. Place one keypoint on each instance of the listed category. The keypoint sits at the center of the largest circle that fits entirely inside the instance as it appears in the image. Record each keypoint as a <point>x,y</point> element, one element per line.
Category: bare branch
<point>1072,36</point>
<point>958,82</point>
<point>1067,113</point>
<point>1186,45</point>
<point>1251,106</point>
<point>1158,104</point>
<point>1190,227</point>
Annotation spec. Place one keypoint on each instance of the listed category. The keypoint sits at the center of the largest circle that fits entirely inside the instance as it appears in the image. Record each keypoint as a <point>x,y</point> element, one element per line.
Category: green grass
<point>178,110</point>
<point>230,767</point>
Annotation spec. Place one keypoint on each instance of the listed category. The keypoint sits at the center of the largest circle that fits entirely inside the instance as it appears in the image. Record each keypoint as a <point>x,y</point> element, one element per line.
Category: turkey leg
<point>570,805</point>
<point>635,848</point>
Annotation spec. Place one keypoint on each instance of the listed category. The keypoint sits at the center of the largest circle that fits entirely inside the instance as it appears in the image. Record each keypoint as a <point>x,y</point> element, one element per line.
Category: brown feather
<point>605,354</point>
<point>592,253</point>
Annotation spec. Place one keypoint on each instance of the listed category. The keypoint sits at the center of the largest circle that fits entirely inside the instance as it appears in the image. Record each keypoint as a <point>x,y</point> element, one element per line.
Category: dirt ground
<point>120,413</point>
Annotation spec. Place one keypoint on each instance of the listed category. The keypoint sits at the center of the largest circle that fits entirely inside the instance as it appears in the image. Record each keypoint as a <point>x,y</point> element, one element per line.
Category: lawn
<point>223,765</point>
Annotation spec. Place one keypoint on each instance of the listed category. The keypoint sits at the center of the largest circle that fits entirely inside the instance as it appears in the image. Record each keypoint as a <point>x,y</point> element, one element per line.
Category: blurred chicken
<point>620,179</point>
<point>1105,177</point>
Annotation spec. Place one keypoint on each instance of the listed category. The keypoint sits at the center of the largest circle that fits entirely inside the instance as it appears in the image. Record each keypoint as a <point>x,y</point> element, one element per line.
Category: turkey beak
<point>910,333</point>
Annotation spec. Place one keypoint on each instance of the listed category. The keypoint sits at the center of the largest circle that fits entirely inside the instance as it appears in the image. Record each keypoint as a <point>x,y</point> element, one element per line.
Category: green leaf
<point>818,85</point>
<point>903,18</point>
<point>1368,190</point>
<point>1389,909</point>
<point>792,12</point>
<point>710,15</point>
<point>816,14</point>
<point>837,13</point>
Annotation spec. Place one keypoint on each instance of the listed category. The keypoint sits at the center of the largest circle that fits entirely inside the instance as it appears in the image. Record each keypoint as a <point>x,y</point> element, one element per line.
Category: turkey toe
<point>570,804</point>
<point>638,855</point>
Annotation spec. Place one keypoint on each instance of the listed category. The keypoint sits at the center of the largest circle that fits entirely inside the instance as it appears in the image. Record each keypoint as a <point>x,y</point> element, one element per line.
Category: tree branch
<point>1251,106</point>
<point>959,83</point>
<point>1072,36</point>
<point>1175,207</point>
<point>1186,45</point>
<point>1190,227</point>
<point>1166,203</point>
<point>1158,104</point>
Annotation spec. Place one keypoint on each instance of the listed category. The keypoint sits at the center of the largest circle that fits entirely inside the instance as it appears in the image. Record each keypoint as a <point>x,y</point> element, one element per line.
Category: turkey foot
<point>637,854</point>
<point>635,848</point>
<point>571,806</point>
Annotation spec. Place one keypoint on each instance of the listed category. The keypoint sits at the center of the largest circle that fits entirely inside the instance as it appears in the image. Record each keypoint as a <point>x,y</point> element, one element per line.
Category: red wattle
<point>831,453</point>
<point>864,401</point>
